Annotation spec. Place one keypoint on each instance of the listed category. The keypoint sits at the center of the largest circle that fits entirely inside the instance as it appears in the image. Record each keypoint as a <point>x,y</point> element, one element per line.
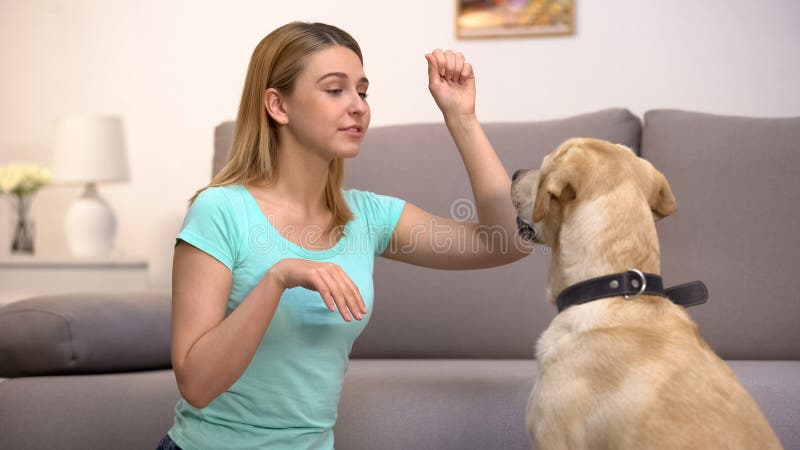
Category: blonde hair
<point>276,62</point>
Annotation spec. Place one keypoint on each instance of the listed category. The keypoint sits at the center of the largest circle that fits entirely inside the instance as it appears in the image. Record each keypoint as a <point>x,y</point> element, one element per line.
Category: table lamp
<point>90,150</point>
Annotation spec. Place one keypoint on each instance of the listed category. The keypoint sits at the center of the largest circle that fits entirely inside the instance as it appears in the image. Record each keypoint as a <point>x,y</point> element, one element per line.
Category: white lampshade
<point>89,149</point>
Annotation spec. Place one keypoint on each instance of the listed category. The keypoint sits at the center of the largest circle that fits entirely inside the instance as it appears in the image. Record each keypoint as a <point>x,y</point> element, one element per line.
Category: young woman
<point>273,248</point>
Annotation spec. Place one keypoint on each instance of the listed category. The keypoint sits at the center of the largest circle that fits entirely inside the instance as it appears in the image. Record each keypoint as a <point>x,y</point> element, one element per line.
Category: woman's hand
<point>330,280</point>
<point>451,82</point>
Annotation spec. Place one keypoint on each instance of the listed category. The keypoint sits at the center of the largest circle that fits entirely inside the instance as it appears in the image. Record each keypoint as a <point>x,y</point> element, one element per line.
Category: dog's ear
<point>662,201</point>
<point>558,185</point>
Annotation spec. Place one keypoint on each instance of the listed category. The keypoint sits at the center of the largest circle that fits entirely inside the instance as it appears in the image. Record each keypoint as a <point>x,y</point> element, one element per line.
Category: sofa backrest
<point>737,183</point>
<point>425,313</point>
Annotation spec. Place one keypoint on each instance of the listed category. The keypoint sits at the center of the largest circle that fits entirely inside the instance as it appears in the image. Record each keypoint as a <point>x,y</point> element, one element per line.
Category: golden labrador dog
<point>622,371</point>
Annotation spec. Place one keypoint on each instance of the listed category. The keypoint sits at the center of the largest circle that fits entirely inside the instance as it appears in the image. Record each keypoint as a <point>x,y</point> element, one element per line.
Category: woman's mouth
<point>354,132</point>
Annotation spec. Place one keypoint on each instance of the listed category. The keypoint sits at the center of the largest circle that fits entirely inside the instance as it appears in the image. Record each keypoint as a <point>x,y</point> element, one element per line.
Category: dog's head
<point>583,169</point>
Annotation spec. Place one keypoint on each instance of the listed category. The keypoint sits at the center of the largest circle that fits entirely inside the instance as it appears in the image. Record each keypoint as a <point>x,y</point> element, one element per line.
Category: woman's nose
<point>358,105</point>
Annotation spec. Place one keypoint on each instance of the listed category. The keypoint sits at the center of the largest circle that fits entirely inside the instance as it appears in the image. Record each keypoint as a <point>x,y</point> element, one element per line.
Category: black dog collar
<point>631,284</point>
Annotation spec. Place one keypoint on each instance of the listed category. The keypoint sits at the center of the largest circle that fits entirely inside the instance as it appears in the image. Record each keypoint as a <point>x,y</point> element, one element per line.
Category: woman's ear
<point>276,108</point>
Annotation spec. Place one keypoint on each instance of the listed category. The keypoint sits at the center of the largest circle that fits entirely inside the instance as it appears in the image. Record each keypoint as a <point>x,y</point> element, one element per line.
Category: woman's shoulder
<point>227,189</point>
<point>358,200</point>
<point>373,207</point>
<point>220,193</point>
<point>363,196</point>
<point>354,194</point>
<point>226,199</point>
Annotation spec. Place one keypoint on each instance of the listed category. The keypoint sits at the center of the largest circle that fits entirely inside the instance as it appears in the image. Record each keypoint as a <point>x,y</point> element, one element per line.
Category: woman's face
<point>328,111</point>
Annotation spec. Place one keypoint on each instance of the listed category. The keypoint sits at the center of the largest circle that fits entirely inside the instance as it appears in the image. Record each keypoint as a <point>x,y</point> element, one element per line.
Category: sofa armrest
<point>85,333</point>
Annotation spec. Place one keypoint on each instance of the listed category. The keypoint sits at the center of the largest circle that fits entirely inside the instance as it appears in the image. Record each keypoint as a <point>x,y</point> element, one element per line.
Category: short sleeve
<point>210,225</point>
<point>382,212</point>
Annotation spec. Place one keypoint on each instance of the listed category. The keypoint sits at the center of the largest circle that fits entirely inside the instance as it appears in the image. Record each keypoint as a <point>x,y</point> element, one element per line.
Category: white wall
<point>174,69</point>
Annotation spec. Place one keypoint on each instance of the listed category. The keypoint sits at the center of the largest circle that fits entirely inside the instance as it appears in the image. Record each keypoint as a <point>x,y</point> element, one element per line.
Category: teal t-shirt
<point>287,397</point>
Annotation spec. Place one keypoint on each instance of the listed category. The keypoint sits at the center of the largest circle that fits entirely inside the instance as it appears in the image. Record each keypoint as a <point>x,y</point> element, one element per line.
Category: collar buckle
<point>642,280</point>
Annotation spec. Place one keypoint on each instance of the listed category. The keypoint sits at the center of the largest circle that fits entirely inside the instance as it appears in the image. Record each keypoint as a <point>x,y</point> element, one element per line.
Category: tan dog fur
<point>616,373</point>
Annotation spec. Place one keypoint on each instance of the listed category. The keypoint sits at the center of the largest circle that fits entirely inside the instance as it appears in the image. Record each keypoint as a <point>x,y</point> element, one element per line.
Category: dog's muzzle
<point>526,230</point>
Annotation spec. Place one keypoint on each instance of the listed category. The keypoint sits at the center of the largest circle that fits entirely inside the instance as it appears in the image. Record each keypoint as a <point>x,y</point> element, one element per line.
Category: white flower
<point>22,179</point>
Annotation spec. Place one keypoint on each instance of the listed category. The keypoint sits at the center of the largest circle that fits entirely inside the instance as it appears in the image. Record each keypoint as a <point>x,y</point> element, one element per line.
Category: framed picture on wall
<point>506,18</point>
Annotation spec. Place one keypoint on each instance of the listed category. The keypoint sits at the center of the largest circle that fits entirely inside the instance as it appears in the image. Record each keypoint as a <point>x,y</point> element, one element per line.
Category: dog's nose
<point>517,174</point>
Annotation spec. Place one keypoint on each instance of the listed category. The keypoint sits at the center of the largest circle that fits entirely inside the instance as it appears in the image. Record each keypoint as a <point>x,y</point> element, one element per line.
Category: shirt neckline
<point>286,243</point>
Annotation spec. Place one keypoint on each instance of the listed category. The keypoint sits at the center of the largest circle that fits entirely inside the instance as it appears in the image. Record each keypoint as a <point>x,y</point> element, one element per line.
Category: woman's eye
<point>334,91</point>
<point>363,95</point>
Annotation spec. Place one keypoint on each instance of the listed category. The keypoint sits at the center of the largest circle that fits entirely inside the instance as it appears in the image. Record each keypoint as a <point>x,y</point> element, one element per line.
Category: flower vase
<point>23,231</point>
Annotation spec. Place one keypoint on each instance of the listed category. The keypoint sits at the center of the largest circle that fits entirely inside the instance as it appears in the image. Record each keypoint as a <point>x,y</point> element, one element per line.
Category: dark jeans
<point>167,444</point>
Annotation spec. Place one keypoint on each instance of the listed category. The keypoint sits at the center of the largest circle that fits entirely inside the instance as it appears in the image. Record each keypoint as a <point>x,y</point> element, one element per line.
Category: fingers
<point>449,65</point>
<point>337,295</point>
<point>343,293</point>
<point>450,57</point>
<point>337,290</point>
<point>441,61</point>
<point>321,286</point>
<point>466,73</point>
<point>349,292</point>
<point>433,68</point>
<point>360,305</point>
<point>458,66</point>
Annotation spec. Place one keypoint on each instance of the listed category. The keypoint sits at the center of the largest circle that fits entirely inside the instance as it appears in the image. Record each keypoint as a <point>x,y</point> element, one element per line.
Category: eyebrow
<point>341,75</point>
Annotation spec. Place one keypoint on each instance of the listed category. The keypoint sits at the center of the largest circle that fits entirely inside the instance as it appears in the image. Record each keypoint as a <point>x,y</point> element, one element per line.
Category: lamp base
<point>90,225</point>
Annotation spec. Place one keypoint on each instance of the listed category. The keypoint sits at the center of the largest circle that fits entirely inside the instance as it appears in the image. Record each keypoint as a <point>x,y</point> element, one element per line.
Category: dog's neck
<point>599,237</point>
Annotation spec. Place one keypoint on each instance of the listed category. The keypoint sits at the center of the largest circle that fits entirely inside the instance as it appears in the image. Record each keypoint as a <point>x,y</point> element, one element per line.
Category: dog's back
<point>620,374</point>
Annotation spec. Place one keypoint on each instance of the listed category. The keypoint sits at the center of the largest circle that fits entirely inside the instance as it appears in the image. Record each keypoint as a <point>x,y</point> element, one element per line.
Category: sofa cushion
<point>481,404</point>
<point>424,313</point>
<point>736,182</point>
<point>430,404</point>
<point>403,403</point>
<point>85,333</point>
<point>123,411</point>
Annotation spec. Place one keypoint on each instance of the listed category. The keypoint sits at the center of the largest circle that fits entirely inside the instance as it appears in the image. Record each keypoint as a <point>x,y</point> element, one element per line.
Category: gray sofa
<point>446,360</point>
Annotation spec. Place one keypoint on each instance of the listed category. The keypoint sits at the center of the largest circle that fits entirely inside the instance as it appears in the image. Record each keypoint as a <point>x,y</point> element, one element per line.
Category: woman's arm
<point>491,241</point>
<point>210,351</point>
